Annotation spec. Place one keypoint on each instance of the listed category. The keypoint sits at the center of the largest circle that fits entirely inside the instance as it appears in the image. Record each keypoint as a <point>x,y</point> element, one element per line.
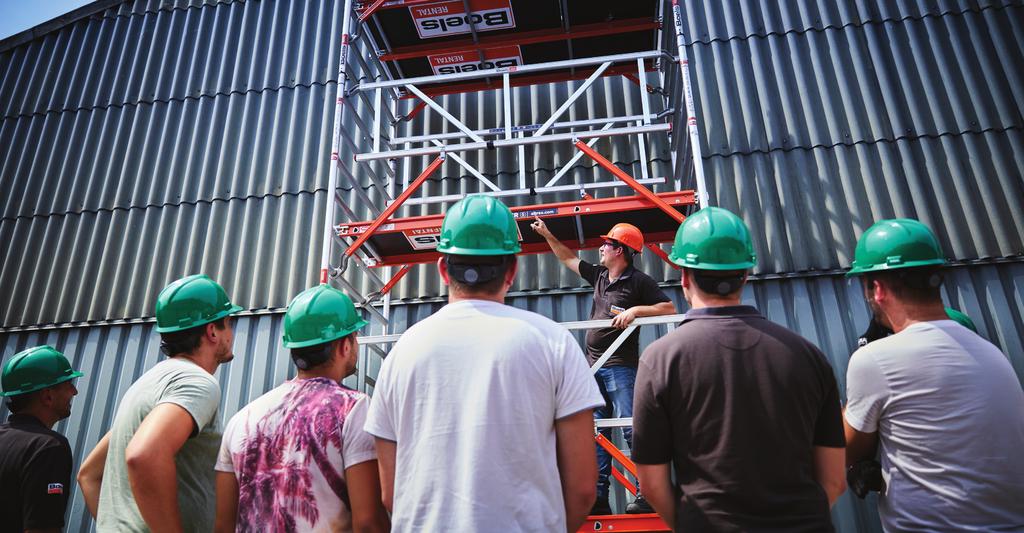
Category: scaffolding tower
<point>401,57</point>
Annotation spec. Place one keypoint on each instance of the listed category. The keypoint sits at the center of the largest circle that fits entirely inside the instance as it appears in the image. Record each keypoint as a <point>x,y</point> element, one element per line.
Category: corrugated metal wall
<point>826,309</point>
<point>148,140</point>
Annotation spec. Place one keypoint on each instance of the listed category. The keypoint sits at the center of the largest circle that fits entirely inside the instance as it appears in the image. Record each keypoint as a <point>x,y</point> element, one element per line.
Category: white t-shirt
<point>949,412</point>
<point>289,450</point>
<point>471,395</point>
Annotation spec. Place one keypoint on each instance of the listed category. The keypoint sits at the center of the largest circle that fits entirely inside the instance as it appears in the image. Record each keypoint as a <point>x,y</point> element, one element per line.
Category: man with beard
<point>297,458</point>
<point>35,461</point>
<point>942,404</point>
<point>622,294</point>
<point>154,469</point>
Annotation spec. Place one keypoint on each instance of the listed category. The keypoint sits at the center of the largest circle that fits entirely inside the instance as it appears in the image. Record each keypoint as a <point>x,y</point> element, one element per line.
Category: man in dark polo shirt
<point>622,294</point>
<point>747,411</point>
<point>35,461</point>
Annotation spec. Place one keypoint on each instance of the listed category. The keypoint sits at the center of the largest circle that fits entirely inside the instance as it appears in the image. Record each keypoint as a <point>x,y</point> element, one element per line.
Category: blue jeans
<point>616,384</point>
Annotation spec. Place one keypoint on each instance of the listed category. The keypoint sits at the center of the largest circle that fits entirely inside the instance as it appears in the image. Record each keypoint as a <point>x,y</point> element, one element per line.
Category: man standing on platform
<point>622,294</point>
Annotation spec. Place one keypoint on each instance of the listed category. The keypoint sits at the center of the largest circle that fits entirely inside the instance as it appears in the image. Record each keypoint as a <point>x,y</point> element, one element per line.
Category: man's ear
<point>442,268</point>
<point>686,278</point>
<point>510,273</point>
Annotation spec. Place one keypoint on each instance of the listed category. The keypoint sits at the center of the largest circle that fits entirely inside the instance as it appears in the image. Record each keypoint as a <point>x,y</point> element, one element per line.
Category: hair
<point>311,357</point>
<point>17,404</point>
<point>186,340</point>
<point>492,272</point>
<point>918,285</point>
<point>722,284</point>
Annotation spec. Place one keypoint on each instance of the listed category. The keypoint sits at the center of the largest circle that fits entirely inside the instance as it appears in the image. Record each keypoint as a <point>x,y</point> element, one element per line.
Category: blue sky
<point>20,15</point>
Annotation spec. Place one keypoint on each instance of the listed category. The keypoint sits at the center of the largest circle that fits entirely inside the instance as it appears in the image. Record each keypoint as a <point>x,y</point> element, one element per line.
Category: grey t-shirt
<point>182,383</point>
<point>949,412</point>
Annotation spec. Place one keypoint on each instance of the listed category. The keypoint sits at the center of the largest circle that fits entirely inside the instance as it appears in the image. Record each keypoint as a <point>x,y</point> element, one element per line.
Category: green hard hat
<point>34,369</point>
<point>713,239</point>
<point>479,225</point>
<point>191,301</point>
<point>961,318</point>
<point>318,315</point>
<point>896,243</point>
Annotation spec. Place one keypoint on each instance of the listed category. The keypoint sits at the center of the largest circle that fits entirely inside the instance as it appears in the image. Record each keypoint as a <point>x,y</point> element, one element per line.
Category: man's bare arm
<point>828,471</point>
<point>625,318</point>
<point>152,473</point>
<point>368,512</point>
<point>386,452</point>
<point>859,445</point>
<point>657,483</point>
<point>561,251</point>
<point>90,474</point>
<point>577,465</point>
<point>227,503</point>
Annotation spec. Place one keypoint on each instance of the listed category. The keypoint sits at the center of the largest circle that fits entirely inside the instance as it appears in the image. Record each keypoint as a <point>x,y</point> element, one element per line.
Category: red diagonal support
<point>628,180</point>
<point>616,454</point>
<point>390,210</point>
<point>371,10</point>
<point>394,279</point>
<point>664,256</point>
<point>624,480</point>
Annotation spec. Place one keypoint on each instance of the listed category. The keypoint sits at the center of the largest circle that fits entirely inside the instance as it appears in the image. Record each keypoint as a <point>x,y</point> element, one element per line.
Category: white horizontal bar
<point>523,69</point>
<point>501,143</point>
<point>520,192</point>
<point>494,132</point>
<point>614,422</point>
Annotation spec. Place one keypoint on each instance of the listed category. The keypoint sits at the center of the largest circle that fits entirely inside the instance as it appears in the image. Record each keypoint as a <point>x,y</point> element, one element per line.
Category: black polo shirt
<point>35,475</point>
<point>631,289</point>
<point>737,404</point>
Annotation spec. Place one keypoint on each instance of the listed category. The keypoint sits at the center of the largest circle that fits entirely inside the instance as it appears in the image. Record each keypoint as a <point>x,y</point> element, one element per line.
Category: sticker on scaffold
<point>442,19</point>
<point>535,213</point>
<point>423,238</point>
<point>469,60</point>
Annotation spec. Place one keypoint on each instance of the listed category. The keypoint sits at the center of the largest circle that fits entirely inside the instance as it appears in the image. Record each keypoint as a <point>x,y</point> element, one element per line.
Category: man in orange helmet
<point>621,293</point>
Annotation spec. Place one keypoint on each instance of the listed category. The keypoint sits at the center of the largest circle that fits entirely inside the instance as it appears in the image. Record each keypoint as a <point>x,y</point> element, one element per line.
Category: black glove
<point>865,476</point>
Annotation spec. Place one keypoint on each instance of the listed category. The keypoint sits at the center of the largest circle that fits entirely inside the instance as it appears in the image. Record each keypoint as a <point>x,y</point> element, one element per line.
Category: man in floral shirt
<point>297,457</point>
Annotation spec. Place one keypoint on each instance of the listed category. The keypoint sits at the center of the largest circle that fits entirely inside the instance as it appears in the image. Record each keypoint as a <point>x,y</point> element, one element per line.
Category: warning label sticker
<point>423,238</point>
<point>442,19</point>
<point>469,60</point>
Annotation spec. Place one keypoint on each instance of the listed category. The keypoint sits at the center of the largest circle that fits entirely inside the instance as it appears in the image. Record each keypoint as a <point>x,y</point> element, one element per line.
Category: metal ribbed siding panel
<point>826,309</point>
<point>819,118</point>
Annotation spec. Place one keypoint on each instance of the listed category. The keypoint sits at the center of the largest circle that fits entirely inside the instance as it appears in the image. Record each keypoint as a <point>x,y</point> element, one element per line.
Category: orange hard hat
<point>627,234</point>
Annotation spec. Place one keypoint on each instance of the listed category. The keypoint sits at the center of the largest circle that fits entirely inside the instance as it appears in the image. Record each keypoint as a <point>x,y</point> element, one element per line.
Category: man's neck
<point>903,316</point>
<point>40,414</point>
<point>700,301</point>
<point>333,373</point>
<point>204,360</point>
<point>454,297</point>
<point>616,270</point>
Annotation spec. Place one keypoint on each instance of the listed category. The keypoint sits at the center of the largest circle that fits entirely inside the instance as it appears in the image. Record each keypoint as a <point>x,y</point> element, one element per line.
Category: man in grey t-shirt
<point>155,465</point>
<point>943,403</point>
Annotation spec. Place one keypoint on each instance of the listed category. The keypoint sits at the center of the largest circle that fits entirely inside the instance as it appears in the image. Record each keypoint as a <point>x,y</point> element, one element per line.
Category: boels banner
<point>443,19</point>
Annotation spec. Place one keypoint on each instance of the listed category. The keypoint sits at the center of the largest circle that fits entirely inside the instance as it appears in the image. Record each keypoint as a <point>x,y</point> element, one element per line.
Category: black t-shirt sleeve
<point>828,428</point>
<point>652,424</point>
<point>46,486</point>
<point>589,272</point>
<point>651,293</point>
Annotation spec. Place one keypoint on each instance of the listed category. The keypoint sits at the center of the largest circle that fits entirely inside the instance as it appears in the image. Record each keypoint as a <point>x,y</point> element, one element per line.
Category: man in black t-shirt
<point>35,461</point>
<point>621,294</point>
<point>746,411</point>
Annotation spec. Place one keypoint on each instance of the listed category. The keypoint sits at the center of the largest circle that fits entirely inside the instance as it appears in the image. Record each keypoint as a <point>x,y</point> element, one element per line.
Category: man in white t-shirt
<point>483,412</point>
<point>943,403</point>
<point>297,458</point>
